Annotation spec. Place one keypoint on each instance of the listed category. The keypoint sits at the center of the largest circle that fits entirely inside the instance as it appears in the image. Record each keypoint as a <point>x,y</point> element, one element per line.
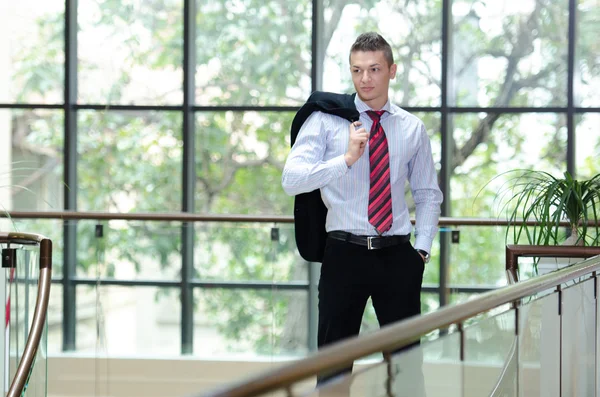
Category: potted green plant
<point>547,200</point>
<point>531,195</point>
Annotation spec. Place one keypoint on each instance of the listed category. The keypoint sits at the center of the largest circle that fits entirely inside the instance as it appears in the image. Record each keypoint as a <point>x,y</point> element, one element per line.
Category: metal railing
<point>38,322</point>
<point>444,289</point>
<point>393,337</point>
<point>189,217</point>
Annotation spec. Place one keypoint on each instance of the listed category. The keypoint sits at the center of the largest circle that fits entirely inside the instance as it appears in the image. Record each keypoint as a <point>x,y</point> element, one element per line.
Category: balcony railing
<point>549,323</point>
<point>26,309</point>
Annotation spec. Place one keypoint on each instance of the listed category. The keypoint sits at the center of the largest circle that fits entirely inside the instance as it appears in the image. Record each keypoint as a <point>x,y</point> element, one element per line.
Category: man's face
<point>371,76</point>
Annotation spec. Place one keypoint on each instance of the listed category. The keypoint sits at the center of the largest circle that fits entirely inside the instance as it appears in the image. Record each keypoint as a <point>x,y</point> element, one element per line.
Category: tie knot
<point>375,115</point>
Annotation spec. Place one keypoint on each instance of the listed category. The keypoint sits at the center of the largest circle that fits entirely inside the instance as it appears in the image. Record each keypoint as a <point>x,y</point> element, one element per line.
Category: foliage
<point>257,53</point>
<point>530,195</point>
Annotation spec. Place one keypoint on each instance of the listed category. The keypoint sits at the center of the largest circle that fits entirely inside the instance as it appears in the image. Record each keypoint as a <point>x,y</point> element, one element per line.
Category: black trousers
<point>350,274</point>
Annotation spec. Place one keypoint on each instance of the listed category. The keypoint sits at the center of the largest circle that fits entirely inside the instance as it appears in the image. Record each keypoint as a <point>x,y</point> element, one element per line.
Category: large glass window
<point>413,30</point>
<point>493,94</point>
<point>588,54</point>
<point>32,51</point>
<point>487,146</point>
<point>253,52</point>
<point>33,159</point>
<point>237,155</point>
<point>130,52</point>
<point>129,162</point>
<point>508,54</point>
<point>588,145</point>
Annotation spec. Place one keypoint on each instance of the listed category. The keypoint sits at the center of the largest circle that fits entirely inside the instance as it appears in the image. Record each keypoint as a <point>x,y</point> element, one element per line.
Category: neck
<point>377,103</point>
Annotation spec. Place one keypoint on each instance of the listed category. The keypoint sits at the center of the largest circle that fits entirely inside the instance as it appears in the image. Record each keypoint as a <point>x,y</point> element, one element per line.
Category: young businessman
<point>361,169</point>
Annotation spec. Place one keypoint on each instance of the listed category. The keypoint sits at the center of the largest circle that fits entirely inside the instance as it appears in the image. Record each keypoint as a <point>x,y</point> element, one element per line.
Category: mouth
<point>367,89</point>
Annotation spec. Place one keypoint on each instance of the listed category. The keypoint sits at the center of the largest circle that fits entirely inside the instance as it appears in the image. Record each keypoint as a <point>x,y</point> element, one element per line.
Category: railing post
<point>560,341</point>
<point>462,357</point>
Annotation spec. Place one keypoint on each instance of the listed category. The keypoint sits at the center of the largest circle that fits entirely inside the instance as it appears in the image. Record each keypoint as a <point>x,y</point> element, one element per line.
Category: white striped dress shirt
<point>316,161</point>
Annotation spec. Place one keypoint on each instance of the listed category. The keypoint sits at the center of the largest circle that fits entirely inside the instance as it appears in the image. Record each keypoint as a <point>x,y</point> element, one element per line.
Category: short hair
<point>372,41</point>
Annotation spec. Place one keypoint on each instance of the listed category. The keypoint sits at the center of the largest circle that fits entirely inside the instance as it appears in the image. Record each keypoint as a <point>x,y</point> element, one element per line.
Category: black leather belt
<point>371,242</point>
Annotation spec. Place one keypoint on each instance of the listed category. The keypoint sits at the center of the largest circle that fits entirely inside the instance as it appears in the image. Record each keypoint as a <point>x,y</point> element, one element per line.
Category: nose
<point>365,76</point>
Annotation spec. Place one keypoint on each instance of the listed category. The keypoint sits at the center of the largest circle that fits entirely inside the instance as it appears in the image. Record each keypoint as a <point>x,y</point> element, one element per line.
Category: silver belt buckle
<point>370,243</point>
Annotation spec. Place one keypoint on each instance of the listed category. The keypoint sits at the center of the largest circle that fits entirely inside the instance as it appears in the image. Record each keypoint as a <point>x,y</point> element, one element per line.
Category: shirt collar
<point>363,107</point>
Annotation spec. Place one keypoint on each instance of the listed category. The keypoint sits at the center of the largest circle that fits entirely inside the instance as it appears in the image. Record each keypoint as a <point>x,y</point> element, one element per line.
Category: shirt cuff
<point>423,243</point>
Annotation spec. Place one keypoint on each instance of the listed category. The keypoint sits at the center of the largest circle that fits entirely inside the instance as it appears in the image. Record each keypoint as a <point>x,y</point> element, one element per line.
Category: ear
<point>393,69</point>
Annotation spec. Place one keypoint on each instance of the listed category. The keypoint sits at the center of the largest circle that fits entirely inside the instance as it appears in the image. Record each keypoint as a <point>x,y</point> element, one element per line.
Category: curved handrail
<point>41,305</point>
<point>397,335</point>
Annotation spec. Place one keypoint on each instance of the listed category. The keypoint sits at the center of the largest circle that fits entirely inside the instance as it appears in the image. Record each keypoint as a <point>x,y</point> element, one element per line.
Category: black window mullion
<point>317,50</point>
<point>571,167</point>
<point>189,176</point>
<point>317,66</point>
<point>446,150</point>
<point>70,175</point>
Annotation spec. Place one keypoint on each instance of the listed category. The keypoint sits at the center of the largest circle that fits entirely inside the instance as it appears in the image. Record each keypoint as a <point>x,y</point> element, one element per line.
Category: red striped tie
<point>380,193</point>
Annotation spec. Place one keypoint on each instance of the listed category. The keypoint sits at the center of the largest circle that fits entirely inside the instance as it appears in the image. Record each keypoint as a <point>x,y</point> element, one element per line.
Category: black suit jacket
<point>309,210</point>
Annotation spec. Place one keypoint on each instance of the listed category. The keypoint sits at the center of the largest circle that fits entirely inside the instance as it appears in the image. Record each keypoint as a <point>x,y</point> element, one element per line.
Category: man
<point>361,169</point>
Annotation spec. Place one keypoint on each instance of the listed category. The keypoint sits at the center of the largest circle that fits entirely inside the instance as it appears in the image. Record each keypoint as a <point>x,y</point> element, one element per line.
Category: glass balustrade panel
<point>239,252</point>
<point>539,347</point>
<point>432,368</point>
<point>128,250</point>
<point>578,335</point>
<point>490,351</point>
<point>118,321</point>
<point>21,300</point>
<point>250,324</point>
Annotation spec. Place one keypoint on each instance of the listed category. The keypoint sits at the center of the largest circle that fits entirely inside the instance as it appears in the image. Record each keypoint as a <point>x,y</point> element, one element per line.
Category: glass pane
<point>248,252</point>
<point>486,269</point>
<point>490,356</point>
<point>253,52</point>
<point>597,350</point>
<point>488,145</point>
<point>442,367</point>
<point>457,297</point>
<point>50,228</point>
<point>509,55</point>
<point>134,49</point>
<point>125,321</point>
<point>433,124</point>
<point>432,369</point>
<point>429,302</point>
<point>55,319</point>
<point>413,30</point>
<point>588,145</point>
<point>31,161</point>
<point>250,323</point>
<point>539,348</point>
<point>587,73</point>
<point>22,283</point>
<point>129,162</point>
<point>578,340</point>
<point>239,160</point>
<point>372,380</point>
<point>125,250</point>
<point>31,51</point>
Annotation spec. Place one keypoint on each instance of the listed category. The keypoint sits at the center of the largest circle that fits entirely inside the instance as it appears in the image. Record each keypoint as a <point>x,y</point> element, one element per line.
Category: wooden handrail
<point>514,252</point>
